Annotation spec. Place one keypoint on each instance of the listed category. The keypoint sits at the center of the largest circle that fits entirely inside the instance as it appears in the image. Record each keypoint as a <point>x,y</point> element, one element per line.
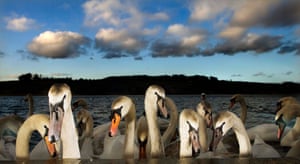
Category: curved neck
<point>244,110</point>
<point>170,131</point>
<point>154,133</point>
<point>129,134</point>
<point>33,123</point>
<point>242,137</point>
<point>30,106</point>
<point>69,137</point>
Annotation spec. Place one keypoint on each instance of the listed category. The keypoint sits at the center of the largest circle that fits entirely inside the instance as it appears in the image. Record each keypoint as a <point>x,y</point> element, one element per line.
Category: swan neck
<point>243,139</point>
<point>129,134</point>
<point>69,136</point>
<point>244,110</point>
<point>154,133</point>
<point>169,132</point>
<point>25,132</point>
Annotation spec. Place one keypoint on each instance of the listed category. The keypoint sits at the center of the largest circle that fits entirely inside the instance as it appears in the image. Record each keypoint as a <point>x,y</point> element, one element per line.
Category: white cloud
<point>119,41</point>
<point>61,44</point>
<point>202,10</point>
<point>20,24</point>
<point>188,37</point>
<point>116,13</point>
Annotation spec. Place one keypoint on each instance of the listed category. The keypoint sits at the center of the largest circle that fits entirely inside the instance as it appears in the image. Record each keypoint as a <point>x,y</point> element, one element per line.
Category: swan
<point>226,120</point>
<point>84,121</point>
<point>172,126</point>
<point>122,107</point>
<point>28,98</point>
<point>142,136</point>
<point>9,126</point>
<point>205,110</point>
<point>85,125</point>
<point>266,131</point>
<point>37,122</point>
<point>287,109</point>
<point>191,126</point>
<point>154,99</point>
<point>40,123</point>
<point>223,122</point>
<point>62,125</point>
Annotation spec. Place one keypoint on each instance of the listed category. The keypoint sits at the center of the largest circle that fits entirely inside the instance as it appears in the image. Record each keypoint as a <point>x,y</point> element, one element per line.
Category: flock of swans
<point>201,132</point>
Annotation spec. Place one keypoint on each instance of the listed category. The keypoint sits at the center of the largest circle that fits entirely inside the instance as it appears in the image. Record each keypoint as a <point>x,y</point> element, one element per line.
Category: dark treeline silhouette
<point>174,84</point>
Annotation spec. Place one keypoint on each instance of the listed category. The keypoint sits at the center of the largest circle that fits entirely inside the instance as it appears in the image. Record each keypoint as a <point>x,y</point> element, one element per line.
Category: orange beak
<point>50,147</point>
<point>115,121</point>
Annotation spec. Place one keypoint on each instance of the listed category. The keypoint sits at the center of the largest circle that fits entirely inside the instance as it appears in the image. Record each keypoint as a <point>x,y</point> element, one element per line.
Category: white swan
<point>37,122</point>
<point>288,109</point>
<point>122,107</point>
<point>266,131</point>
<point>226,120</point>
<point>62,125</point>
<point>191,126</point>
<point>154,99</point>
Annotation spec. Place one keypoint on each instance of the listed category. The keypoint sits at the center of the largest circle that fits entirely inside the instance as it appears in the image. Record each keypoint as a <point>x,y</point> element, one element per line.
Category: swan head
<point>59,102</point>
<point>206,112</point>
<point>189,122</point>
<point>82,118</point>
<point>287,109</point>
<point>285,101</point>
<point>157,94</point>
<point>80,103</point>
<point>223,122</point>
<point>120,107</point>
<point>234,99</point>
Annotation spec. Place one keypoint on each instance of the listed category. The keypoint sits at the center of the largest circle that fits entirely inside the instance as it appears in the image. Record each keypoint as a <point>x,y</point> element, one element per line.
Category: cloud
<point>202,10</point>
<point>289,48</point>
<point>251,42</point>
<point>117,14</point>
<point>119,43</point>
<point>61,44</point>
<point>20,24</point>
<point>25,55</point>
<point>266,13</point>
<point>180,40</point>
<point>2,54</point>
<point>236,75</point>
<point>261,74</point>
<point>288,73</point>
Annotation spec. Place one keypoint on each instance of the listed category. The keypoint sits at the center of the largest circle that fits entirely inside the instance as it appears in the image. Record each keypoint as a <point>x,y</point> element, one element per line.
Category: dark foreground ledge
<point>169,160</point>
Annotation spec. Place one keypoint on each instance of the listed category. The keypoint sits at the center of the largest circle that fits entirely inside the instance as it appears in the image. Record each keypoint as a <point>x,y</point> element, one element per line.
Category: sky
<point>238,40</point>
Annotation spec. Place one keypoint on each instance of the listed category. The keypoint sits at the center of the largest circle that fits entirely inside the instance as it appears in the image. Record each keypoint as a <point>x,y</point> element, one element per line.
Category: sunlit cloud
<point>20,23</point>
<point>119,43</point>
<point>61,44</point>
<point>118,13</point>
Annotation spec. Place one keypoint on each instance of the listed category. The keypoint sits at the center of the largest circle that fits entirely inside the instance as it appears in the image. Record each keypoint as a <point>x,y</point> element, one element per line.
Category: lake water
<point>261,107</point>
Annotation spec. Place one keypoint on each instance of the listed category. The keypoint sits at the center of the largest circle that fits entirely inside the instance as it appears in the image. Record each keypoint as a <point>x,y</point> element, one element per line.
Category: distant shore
<point>129,85</point>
